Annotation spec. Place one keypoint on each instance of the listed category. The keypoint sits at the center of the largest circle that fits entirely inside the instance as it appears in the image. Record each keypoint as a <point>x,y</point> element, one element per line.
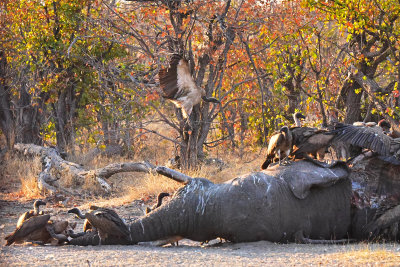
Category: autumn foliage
<point>83,73</point>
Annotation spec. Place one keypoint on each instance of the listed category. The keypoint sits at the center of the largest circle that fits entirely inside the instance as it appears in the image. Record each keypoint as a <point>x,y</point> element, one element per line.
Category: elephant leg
<point>299,237</point>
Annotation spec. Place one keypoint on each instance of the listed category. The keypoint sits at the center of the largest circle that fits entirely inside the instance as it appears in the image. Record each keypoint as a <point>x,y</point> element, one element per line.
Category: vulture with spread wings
<point>373,138</point>
<point>177,85</point>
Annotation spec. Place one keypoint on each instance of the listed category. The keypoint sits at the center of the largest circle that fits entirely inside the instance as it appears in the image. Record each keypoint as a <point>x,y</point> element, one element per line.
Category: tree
<point>372,28</point>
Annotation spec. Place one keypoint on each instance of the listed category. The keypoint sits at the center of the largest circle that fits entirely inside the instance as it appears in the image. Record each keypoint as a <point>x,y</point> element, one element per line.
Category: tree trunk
<point>27,119</point>
<point>353,104</point>
<point>64,112</point>
<point>7,125</point>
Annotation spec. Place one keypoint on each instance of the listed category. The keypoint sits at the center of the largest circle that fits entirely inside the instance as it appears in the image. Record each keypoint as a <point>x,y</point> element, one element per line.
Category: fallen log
<point>52,159</point>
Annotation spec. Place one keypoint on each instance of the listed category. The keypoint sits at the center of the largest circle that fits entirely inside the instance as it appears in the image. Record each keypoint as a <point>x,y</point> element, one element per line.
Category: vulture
<point>177,85</point>
<point>307,140</point>
<point>39,229</point>
<point>373,138</point>
<point>311,141</point>
<point>388,129</point>
<point>106,221</point>
<point>27,227</point>
<point>31,213</point>
<point>159,202</point>
<point>280,144</point>
<point>55,232</point>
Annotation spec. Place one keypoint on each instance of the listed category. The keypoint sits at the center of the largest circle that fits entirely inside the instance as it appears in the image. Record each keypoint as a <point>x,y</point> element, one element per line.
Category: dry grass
<point>18,177</point>
<point>151,185</point>
<point>365,257</point>
<point>19,174</point>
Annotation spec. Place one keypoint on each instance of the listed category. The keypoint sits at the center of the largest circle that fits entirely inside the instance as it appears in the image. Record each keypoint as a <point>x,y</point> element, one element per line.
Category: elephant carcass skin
<point>271,205</point>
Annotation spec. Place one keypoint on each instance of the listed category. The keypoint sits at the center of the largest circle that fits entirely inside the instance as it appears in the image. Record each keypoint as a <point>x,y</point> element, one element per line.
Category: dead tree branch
<point>52,159</point>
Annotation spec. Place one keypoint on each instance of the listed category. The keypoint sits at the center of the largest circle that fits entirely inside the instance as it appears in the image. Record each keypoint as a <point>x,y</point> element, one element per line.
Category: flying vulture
<point>177,85</point>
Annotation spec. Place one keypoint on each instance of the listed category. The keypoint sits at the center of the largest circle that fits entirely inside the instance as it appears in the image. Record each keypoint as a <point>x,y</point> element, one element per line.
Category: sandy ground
<point>188,253</point>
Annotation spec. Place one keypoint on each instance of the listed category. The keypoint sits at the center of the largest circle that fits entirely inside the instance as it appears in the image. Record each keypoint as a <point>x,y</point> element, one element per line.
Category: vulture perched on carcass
<point>279,145</point>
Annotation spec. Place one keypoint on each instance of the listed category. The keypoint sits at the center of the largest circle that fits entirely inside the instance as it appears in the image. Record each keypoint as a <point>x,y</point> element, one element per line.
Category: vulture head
<point>386,127</point>
<point>77,212</point>
<point>177,85</point>
<point>37,204</point>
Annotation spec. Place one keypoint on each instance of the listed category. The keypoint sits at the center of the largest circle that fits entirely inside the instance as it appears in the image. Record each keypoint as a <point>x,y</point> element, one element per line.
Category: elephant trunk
<point>187,214</point>
<point>161,223</point>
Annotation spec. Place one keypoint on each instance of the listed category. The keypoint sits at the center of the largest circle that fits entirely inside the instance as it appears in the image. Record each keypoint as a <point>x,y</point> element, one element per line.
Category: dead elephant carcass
<point>279,205</point>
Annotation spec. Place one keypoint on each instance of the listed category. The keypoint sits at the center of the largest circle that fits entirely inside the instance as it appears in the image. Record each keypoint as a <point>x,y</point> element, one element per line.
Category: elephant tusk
<point>175,175</point>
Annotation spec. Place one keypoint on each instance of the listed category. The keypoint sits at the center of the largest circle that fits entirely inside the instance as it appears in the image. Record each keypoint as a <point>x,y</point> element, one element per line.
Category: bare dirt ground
<point>188,253</point>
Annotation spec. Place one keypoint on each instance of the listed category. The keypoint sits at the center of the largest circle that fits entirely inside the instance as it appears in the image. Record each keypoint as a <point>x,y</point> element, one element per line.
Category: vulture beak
<point>211,99</point>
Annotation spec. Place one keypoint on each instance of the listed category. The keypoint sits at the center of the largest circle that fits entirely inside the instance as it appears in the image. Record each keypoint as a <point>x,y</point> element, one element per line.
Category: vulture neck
<point>297,121</point>
<point>79,214</point>
<point>36,208</point>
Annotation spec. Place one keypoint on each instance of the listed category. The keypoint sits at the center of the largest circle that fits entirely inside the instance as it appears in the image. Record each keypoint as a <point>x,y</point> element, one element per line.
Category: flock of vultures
<point>287,145</point>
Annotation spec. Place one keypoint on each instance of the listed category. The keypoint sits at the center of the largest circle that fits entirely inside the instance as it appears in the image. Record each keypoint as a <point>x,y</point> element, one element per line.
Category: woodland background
<point>81,75</point>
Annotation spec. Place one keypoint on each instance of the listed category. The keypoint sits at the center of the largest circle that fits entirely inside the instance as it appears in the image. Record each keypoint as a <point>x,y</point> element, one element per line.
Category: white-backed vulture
<point>27,227</point>
<point>54,232</point>
<point>311,142</point>
<point>31,213</point>
<point>106,221</point>
<point>373,138</point>
<point>279,145</point>
<point>177,85</point>
<point>41,230</point>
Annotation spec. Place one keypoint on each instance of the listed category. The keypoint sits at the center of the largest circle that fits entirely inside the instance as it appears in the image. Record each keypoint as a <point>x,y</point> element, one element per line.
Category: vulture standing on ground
<point>39,229</point>
<point>279,145</point>
<point>159,202</point>
<point>27,227</point>
<point>54,232</point>
<point>177,85</point>
<point>31,213</point>
<point>106,221</point>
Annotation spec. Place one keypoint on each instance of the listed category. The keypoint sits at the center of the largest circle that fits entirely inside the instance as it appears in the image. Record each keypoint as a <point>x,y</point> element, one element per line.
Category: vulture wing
<point>111,222</point>
<point>301,134</point>
<point>27,227</point>
<point>366,137</point>
<point>24,217</point>
<point>169,78</point>
<point>274,142</point>
<point>313,144</point>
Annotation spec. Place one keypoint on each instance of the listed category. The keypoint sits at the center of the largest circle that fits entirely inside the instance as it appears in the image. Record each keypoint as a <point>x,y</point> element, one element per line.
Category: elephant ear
<point>303,175</point>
